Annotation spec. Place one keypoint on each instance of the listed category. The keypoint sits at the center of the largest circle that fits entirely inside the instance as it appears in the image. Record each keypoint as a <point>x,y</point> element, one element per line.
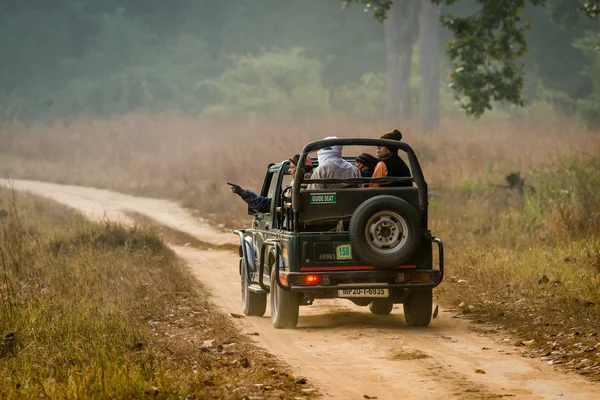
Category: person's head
<point>384,152</point>
<point>366,162</point>
<point>294,163</point>
<point>329,152</point>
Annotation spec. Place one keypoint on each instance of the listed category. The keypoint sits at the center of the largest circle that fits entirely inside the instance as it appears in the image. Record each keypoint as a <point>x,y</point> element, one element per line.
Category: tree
<point>429,65</point>
<point>276,82</point>
<point>589,108</point>
<point>401,32</point>
<point>484,48</point>
<point>68,57</point>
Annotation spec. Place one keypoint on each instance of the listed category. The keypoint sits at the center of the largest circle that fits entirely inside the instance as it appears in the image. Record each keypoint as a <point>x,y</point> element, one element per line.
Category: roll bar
<point>415,167</point>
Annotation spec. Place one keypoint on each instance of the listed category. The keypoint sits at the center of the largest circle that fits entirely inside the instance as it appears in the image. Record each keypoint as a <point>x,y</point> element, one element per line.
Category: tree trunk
<point>401,31</point>
<point>390,27</point>
<point>409,33</point>
<point>429,66</point>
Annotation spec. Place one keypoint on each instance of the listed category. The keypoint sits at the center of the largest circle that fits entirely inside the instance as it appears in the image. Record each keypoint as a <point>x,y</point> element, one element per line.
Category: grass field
<point>98,310</point>
<point>190,160</point>
<point>526,261</point>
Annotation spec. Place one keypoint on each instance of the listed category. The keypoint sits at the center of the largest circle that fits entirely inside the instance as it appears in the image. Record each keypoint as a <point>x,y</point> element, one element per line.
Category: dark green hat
<point>393,135</point>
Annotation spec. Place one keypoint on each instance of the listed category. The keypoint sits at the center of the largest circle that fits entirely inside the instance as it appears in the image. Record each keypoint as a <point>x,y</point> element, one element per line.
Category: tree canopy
<point>487,44</point>
<point>295,57</point>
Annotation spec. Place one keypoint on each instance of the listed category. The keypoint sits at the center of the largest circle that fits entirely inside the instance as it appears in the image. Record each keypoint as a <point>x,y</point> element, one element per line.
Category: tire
<point>385,231</point>
<point>417,307</point>
<point>381,306</point>
<point>361,302</point>
<point>285,306</point>
<point>253,304</point>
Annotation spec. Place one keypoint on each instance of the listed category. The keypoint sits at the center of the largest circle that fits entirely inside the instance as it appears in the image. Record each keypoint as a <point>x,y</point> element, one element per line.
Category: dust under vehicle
<point>369,245</point>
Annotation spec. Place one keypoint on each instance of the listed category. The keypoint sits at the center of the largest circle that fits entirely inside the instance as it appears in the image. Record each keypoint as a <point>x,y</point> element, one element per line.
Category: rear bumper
<point>370,279</point>
<point>365,279</point>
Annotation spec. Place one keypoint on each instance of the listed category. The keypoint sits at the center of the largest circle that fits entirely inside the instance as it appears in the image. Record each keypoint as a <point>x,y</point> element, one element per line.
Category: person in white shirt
<point>332,165</point>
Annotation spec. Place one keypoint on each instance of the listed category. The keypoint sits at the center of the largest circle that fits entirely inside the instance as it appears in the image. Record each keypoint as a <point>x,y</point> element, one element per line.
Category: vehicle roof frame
<point>415,167</point>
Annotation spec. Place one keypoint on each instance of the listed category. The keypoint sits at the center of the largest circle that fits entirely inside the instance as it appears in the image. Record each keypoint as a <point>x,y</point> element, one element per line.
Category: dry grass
<point>190,160</point>
<point>175,237</point>
<point>102,311</point>
<point>499,241</point>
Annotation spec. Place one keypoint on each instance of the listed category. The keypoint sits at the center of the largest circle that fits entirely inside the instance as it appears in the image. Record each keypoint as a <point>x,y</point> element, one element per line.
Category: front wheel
<point>253,304</point>
<point>417,307</point>
<point>285,306</point>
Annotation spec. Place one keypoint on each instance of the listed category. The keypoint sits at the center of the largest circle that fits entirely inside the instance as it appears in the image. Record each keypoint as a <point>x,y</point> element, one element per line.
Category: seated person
<point>391,164</point>
<point>308,171</point>
<point>263,204</point>
<point>332,165</point>
<point>366,164</point>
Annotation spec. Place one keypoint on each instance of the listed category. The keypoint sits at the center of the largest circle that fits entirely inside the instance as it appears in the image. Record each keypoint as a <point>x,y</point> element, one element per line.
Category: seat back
<point>331,205</point>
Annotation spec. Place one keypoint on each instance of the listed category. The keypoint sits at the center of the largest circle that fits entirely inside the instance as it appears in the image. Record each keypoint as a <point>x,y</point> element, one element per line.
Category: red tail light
<point>312,279</point>
<point>417,276</point>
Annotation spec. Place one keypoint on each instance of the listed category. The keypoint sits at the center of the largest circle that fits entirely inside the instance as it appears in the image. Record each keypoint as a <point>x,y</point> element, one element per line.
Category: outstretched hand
<point>236,188</point>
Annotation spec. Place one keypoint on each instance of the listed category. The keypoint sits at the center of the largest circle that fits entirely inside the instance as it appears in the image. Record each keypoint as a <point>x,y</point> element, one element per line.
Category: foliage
<point>565,200</point>
<point>365,98</point>
<point>483,51</point>
<point>379,8</point>
<point>100,310</point>
<point>125,67</point>
<point>559,100</point>
<point>552,61</point>
<point>589,108</point>
<point>484,48</point>
<point>590,7</point>
<point>107,58</point>
<point>277,82</point>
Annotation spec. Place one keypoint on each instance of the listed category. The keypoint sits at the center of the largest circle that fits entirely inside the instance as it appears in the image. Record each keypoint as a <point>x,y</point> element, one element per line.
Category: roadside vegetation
<point>527,260</point>
<point>100,310</point>
<point>523,255</point>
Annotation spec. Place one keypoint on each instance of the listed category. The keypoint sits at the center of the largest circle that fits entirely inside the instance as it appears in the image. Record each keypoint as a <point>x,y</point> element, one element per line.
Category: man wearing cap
<point>332,165</point>
<point>263,204</point>
<point>391,164</point>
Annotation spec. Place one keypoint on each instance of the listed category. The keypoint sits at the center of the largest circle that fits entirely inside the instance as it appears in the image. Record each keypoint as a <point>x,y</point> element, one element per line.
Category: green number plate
<point>323,198</point>
<point>344,252</point>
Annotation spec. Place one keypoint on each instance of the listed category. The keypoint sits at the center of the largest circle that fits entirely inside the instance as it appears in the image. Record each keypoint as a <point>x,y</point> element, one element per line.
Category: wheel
<point>381,306</point>
<point>253,304</point>
<point>385,231</point>
<point>417,307</point>
<point>285,306</point>
<point>361,302</point>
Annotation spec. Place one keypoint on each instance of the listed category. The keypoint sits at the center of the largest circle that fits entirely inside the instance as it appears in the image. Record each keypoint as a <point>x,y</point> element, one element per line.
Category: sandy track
<point>342,348</point>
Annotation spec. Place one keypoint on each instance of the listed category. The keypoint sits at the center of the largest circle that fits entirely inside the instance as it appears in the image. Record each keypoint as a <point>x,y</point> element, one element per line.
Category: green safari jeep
<point>369,245</point>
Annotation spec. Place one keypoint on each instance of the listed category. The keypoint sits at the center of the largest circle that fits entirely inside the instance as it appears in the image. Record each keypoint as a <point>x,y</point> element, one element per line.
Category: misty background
<point>238,58</point>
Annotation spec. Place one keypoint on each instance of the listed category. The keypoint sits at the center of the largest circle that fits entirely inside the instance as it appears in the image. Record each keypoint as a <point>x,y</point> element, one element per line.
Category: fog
<point>235,58</point>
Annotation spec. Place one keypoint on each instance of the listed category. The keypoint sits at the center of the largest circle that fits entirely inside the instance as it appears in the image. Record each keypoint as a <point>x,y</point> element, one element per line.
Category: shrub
<point>566,200</point>
<point>282,82</point>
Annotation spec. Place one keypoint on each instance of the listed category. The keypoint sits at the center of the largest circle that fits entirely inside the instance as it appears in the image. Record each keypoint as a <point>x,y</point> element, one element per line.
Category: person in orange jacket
<point>391,164</point>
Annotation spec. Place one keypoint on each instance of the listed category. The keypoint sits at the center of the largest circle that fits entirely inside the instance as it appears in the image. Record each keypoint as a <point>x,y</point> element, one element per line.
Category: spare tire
<point>385,231</point>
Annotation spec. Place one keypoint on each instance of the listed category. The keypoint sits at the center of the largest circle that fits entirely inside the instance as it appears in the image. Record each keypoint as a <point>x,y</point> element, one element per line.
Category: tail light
<point>312,279</point>
<point>413,277</point>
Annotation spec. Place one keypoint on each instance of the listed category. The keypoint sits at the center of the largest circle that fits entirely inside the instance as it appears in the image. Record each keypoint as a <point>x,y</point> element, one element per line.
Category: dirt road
<point>343,349</point>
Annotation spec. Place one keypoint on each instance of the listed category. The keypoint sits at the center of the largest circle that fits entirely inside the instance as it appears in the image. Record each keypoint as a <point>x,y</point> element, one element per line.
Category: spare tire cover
<point>385,231</point>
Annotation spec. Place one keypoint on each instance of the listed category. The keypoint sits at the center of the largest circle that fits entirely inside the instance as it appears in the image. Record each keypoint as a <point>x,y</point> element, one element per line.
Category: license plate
<point>364,292</point>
